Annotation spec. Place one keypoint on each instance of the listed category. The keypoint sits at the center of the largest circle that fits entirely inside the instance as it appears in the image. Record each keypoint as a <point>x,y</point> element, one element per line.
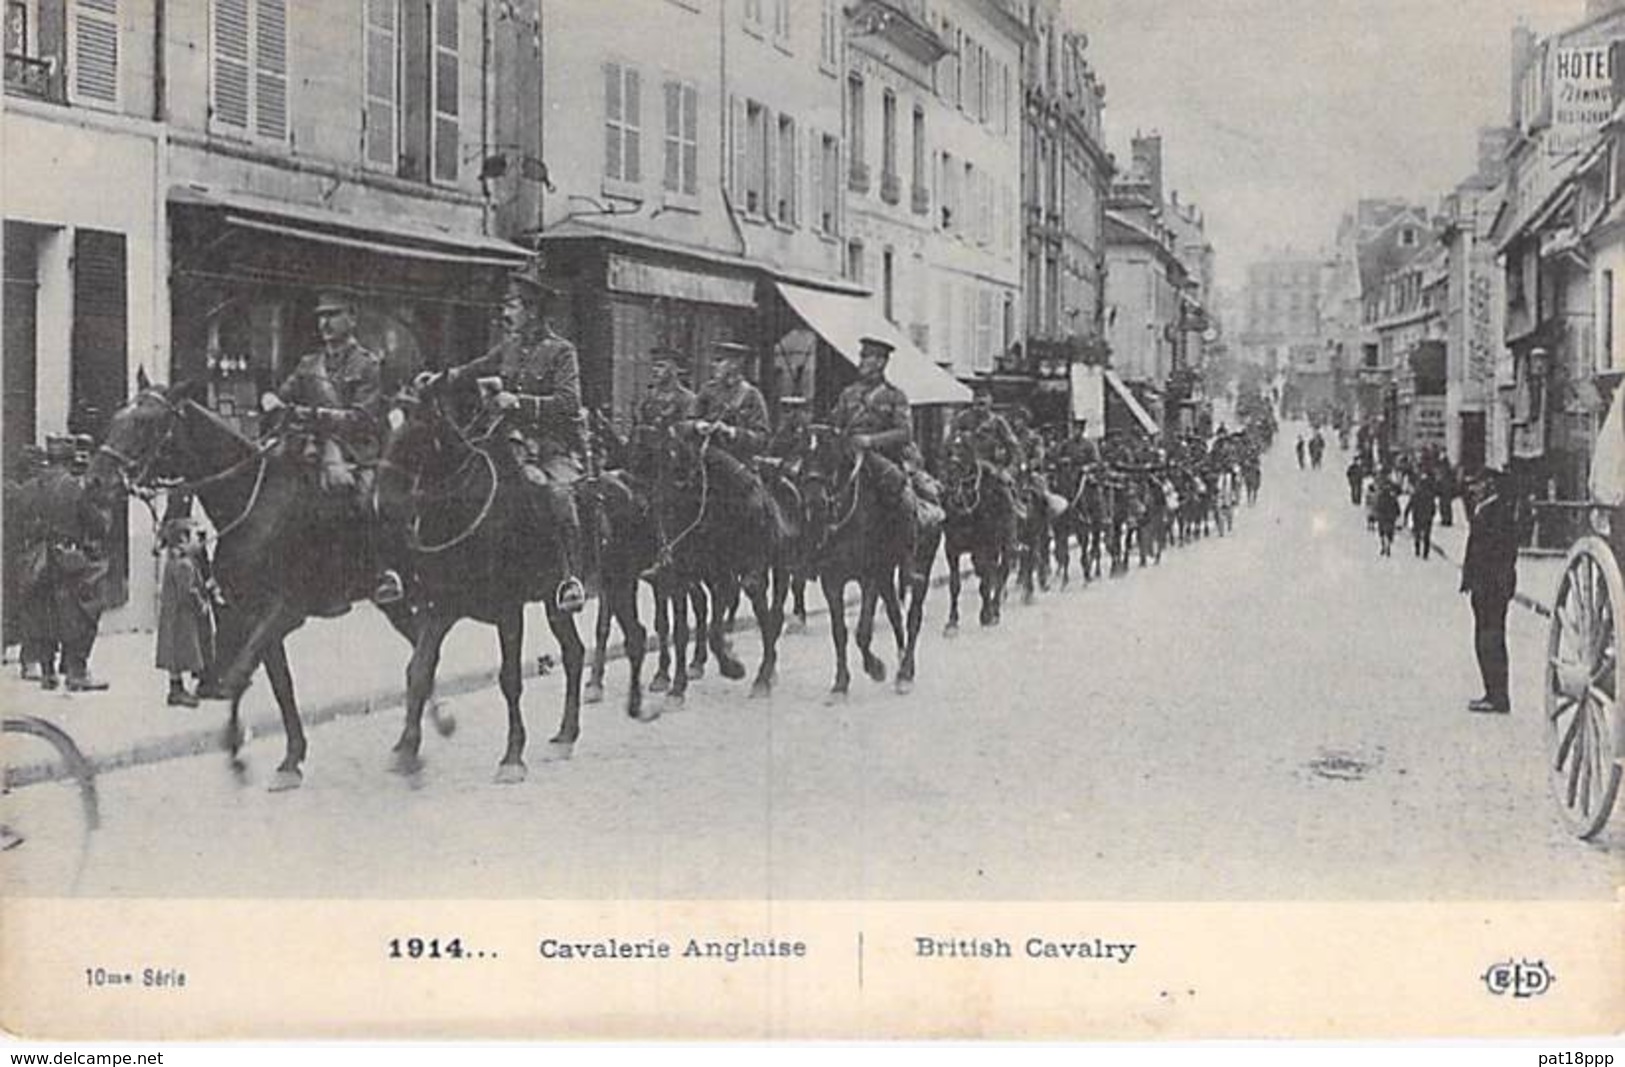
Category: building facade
<point>1066,178</point>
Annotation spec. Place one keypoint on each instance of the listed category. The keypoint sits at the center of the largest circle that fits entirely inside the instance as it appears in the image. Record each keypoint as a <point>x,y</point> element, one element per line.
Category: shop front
<point>628,297</point>
<point>245,272</point>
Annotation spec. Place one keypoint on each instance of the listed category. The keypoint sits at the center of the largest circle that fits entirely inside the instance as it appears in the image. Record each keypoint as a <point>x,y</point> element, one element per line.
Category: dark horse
<point>709,539</point>
<point>619,522</point>
<point>1034,528</point>
<point>981,521</point>
<point>275,529</point>
<point>850,538</point>
<point>1084,518</point>
<point>482,550</point>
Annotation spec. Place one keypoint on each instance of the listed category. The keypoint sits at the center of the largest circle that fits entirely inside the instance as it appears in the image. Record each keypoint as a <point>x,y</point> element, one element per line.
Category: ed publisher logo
<point>1521,979</point>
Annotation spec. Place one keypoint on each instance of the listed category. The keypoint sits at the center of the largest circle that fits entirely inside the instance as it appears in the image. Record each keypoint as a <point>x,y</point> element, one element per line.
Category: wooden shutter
<point>691,140</point>
<point>99,359</point>
<point>447,128</point>
<point>815,179</point>
<point>271,69</point>
<point>230,52</point>
<point>737,109</point>
<point>415,79</point>
<point>381,110</point>
<point>95,51</point>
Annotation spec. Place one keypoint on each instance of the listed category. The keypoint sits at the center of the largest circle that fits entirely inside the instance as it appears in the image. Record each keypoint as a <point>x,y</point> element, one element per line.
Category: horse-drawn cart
<point>1585,724</point>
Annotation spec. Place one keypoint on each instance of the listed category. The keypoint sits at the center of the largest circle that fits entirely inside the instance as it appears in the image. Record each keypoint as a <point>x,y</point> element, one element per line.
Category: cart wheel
<point>1583,716</point>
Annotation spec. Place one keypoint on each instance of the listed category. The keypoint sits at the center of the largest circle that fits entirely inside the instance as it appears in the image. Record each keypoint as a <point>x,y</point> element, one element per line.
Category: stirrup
<point>571,596</point>
<point>389,589</point>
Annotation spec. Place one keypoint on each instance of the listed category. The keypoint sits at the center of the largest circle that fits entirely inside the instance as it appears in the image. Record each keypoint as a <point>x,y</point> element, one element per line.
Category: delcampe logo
<point>1522,978</point>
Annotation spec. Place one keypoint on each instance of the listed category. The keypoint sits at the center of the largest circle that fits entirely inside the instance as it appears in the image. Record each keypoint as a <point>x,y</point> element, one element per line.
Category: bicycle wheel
<point>51,807</point>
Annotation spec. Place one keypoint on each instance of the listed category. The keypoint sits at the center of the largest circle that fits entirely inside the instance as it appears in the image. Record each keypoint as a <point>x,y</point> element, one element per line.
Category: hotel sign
<point>1582,97</point>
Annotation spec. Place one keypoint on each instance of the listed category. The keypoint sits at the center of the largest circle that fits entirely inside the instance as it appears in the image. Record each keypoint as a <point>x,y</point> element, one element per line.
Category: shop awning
<point>368,233</point>
<point>842,320</point>
<point>1126,395</point>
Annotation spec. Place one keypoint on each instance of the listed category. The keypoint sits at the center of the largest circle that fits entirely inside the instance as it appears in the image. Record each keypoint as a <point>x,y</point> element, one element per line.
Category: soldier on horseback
<point>330,404</point>
<point>874,416</point>
<point>989,435</point>
<point>665,405</point>
<point>536,379</point>
<point>732,412</point>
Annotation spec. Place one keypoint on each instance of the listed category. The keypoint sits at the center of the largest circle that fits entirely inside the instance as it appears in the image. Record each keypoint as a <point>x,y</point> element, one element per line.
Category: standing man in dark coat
<point>1489,576</point>
<point>65,570</point>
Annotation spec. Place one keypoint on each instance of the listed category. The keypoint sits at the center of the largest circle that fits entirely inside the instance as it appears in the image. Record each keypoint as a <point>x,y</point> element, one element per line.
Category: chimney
<point>1147,153</point>
<point>1523,53</point>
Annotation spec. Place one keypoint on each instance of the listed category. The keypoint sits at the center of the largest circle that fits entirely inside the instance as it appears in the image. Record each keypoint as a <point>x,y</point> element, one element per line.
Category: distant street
<point>1274,715</point>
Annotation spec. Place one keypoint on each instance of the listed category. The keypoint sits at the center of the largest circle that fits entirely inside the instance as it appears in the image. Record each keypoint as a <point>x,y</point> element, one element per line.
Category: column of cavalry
<point>478,490</point>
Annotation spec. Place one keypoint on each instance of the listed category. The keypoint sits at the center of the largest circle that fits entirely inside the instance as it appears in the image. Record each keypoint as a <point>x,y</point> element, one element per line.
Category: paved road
<point>1274,715</point>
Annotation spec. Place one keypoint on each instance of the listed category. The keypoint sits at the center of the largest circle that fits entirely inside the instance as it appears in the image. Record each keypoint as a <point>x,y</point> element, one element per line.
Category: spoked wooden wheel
<point>1584,733</point>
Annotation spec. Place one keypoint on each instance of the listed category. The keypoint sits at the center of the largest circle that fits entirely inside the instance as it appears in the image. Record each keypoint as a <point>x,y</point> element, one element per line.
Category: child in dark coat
<point>185,611</point>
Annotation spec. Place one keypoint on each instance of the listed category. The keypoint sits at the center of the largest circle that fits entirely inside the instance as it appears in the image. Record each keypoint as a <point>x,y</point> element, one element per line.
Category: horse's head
<point>140,445</point>
<point>417,431</point>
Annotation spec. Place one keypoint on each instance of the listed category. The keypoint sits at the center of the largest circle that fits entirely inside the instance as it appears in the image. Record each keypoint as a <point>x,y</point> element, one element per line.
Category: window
<point>249,41</point>
<point>758,159</point>
<point>959,69</point>
<point>682,139</point>
<point>829,36</point>
<point>781,22</point>
<point>623,124</point>
<point>854,261</point>
<point>965,202</point>
<point>19,29</point>
<point>918,156</point>
<point>887,283</point>
<point>1407,238</point>
<point>854,122</point>
<point>447,92</point>
<point>888,134</point>
<point>784,208</point>
<point>1605,356</point>
<point>381,113</point>
<point>827,185</point>
<point>948,186</point>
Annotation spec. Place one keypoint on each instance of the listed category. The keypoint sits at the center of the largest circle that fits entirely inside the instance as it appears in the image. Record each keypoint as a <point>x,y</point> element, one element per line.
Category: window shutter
<point>691,140</point>
<point>737,106</point>
<point>231,63</point>
<point>673,179</point>
<point>447,92</point>
<point>770,165</point>
<point>381,115</point>
<point>271,69</point>
<point>815,180</point>
<point>613,116</point>
<point>95,51</point>
<point>632,101</point>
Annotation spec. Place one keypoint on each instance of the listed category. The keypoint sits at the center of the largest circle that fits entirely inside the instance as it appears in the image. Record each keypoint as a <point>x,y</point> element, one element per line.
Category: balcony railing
<point>28,76</point>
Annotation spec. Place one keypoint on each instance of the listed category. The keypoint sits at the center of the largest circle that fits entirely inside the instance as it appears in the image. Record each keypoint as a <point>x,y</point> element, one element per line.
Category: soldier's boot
<point>570,596</point>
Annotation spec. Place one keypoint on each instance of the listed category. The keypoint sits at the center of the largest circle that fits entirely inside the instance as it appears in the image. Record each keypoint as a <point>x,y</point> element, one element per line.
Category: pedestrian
<point>185,612</point>
<point>1419,512</point>
<point>1448,490</point>
<point>1370,496</point>
<point>1489,576</point>
<point>1387,516</point>
<point>1300,451</point>
<point>1356,475</point>
<point>65,570</point>
<point>1317,449</point>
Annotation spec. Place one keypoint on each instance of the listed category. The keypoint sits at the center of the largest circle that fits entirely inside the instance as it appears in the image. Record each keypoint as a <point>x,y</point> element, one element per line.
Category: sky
<point>1276,115</point>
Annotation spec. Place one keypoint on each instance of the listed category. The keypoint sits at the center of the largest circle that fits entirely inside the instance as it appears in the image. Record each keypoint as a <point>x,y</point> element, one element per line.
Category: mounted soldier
<point>792,439</point>
<point>64,568</point>
<point>329,408</point>
<point>874,416</point>
<point>989,435</point>
<point>533,377</point>
<point>733,415</point>
<point>665,405</point>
